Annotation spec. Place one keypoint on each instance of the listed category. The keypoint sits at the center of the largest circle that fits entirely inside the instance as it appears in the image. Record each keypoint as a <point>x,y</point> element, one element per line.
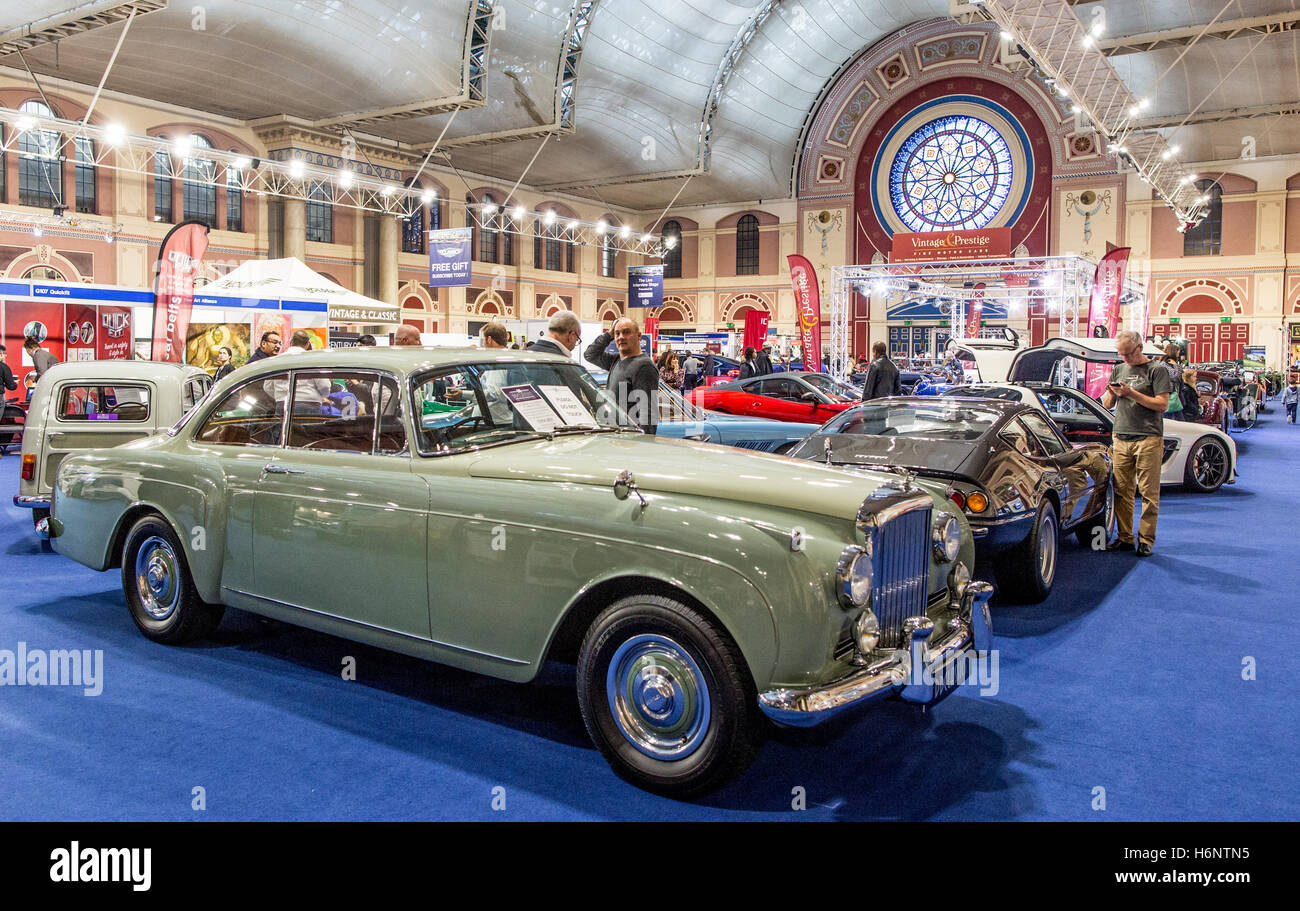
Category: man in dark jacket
<point>633,377</point>
<point>268,347</point>
<point>764,360</point>
<point>7,379</point>
<point>882,375</point>
<point>563,333</point>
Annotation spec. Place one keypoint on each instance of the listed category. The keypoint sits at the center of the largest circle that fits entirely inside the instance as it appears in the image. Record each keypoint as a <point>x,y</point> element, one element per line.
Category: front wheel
<point>1026,572</point>
<point>1207,466</point>
<point>666,696</point>
<point>160,592</point>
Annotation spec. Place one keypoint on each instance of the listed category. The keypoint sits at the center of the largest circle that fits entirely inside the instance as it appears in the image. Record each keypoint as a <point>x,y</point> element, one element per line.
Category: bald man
<point>633,377</point>
<point>407,335</point>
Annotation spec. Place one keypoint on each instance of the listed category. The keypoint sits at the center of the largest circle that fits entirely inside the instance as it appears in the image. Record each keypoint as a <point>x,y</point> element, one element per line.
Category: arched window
<point>162,186</point>
<point>320,213</point>
<point>488,215</point>
<point>672,241</point>
<point>608,256</point>
<point>747,246</point>
<point>234,199</point>
<point>1206,238</point>
<point>507,240</point>
<point>45,274</point>
<point>413,227</point>
<point>40,170</point>
<point>549,246</point>
<point>85,174</point>
<point>198,190</point>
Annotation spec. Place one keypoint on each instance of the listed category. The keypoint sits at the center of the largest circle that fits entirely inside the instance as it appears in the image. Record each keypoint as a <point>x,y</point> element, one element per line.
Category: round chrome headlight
<point>947,538</point>
<point>855,576</point>
<point>958,579</point>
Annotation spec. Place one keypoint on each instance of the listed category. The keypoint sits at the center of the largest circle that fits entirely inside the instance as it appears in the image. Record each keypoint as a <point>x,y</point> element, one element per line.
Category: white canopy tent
<point>292,279</point>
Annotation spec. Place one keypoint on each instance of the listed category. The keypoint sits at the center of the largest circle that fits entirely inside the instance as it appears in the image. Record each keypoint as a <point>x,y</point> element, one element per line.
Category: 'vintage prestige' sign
<point>808,308</point>
<point>986,243</point>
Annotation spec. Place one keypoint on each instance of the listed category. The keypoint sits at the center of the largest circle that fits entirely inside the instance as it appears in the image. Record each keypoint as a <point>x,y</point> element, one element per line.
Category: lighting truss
<point>76,21</point>
<point>574,231</point>
<point>1061,284</point>
<point>120,151</point>
<point>1061,47</point>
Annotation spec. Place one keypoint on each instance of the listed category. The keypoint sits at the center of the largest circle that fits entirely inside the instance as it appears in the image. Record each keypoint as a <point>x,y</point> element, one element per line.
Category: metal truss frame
<point>76,21</point>
<point>1178,37</point>
<point>1052,39</point>
<point>473,79</point>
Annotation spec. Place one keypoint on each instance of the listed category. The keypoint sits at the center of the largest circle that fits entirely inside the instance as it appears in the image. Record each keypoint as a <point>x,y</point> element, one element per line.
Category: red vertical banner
<point>178,264</point>
<point>975,311</point>
<point>80,332</point>
<point>652,330</point>
<point>756,328</point>
<point>808,310</point>
<point>113,341</point>
<point>1103,312</point>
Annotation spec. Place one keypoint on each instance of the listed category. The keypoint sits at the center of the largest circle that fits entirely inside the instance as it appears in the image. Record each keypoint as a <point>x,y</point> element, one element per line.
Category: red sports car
<point>810,398</point>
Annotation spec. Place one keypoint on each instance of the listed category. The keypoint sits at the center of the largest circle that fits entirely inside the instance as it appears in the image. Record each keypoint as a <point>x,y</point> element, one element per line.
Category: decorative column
<point>388,246</point>
<point>295,229</point>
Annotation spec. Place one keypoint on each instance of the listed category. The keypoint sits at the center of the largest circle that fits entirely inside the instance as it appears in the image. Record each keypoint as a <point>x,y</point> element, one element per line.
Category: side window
<point>338,411</point>
<point>1017,437</point>
<point>388,411</point>
<point>1043,432</point>
<point>779,389</point>
<point>125,404</point>
<point>249,415</point>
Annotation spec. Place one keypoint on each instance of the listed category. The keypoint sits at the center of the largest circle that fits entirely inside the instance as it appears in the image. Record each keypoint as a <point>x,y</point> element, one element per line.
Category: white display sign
<point>569,406</point>
<point>531,407</point>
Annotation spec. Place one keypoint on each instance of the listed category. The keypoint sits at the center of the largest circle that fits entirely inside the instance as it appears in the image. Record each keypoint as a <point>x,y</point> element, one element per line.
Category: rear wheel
<point>1207,466</point>
<point>666,696</point>
<point>1026,572</point>
<point>160,592</point>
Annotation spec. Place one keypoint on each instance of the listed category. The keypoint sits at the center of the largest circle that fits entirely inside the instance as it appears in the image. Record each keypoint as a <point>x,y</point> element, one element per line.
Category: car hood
<point>920,455</point>
<point>680,467</point>
<point>1038,364</point>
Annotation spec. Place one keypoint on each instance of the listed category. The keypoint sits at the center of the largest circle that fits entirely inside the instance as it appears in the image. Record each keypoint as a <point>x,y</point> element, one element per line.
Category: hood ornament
<point>625,486</point>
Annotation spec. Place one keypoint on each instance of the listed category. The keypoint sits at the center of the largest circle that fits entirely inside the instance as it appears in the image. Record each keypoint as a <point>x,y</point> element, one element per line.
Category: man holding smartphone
<point>1139,392</point>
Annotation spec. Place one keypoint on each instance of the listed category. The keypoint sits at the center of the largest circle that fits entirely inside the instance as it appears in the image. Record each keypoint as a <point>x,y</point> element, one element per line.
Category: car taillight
<point>977,502</point>
<point>959,498</point>
<point>29,466</point>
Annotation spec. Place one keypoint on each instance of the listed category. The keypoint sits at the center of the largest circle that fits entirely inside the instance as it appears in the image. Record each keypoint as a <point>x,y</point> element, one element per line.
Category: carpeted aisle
<point>1129,679</point>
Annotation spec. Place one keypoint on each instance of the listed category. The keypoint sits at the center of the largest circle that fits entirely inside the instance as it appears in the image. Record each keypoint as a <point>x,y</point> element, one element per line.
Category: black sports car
<point>1020,483</point>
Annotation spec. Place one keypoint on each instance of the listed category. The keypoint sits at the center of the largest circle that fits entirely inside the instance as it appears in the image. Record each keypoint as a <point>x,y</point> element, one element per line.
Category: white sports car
<point>1199,457</point>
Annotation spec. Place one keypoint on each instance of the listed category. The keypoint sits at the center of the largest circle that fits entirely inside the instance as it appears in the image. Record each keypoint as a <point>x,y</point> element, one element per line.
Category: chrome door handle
<point>280,469</point>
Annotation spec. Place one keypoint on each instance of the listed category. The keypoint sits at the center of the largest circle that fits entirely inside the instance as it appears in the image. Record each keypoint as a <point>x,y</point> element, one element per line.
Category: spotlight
<point>646,238</point>
<point>36,231</point>
<point>519,213</point>
<point>1133,110</point>
<point>1087,41</point>
<point>427,196</point>
<point>108,237</point>
<point>1167,154</point>
<point>573,226</point>
<point>602,226</point>
<point>1173,149</point>
<point>489,209</point>
<point>114,134</point>
<point>625,231</point>
<point>345,178</point>
<point>1007,36</point>
<point>59,210</point>
<point>23,124</point>
<point>386,191</point>
<point>183,145</point>
<point>1076,109</point>
<point>670,242</point>
<point>295,168</point>
<point>549,217</point>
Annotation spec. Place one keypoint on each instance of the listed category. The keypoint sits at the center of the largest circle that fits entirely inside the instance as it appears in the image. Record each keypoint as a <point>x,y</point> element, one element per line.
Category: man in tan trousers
<point>1139,392</point>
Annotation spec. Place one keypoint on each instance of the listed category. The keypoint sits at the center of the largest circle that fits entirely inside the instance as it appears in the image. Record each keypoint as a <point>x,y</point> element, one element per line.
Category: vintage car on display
<point>1216,405</point>
<point>1021,484</point>
<point>491,510</point>
<point>807,398</point>
<point>81,405</point>
<point>680,419</point>
<point>1199,457</point>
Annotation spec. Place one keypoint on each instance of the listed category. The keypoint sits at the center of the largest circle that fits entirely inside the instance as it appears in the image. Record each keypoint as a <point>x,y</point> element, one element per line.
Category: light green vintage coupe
<point>487,510</point>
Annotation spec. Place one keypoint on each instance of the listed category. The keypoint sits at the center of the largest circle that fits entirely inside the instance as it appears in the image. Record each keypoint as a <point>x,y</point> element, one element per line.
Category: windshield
<point>833,389</point>
<point>472,405</point>
<point>945,420</point>
<point>672,407</point>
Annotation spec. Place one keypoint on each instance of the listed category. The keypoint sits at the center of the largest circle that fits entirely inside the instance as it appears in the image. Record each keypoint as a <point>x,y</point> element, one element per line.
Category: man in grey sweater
<point>41,358</point>
<point>633,377</point>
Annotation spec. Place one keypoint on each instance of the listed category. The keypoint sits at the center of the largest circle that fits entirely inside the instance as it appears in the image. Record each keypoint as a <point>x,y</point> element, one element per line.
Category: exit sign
<point>907,322</point>
<point>1225,319</point>
<point>731,325</point>
<point>1174,320</point>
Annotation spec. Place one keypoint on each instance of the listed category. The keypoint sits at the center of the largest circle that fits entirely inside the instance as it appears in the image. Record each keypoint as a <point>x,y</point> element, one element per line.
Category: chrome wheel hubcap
<point>658,697</point>
<point>1047,551</point>
<point>156,578</point>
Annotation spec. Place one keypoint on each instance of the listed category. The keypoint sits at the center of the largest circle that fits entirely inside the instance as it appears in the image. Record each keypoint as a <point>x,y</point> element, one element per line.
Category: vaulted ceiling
<point>650,79</point>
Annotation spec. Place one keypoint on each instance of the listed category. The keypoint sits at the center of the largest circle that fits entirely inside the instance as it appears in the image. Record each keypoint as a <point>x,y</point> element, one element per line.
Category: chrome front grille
<point>901,548</point>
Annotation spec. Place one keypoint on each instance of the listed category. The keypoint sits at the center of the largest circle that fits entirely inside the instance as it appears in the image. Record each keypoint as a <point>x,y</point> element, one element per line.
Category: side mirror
<point>625,486</point>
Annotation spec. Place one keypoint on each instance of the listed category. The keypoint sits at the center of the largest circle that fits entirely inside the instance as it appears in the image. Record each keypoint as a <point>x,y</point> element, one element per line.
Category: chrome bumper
<point>913,674</point>
<point>41,501</point>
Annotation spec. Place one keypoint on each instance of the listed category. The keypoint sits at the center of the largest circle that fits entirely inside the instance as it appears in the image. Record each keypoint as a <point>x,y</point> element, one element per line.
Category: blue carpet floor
<point>1128,679</point>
